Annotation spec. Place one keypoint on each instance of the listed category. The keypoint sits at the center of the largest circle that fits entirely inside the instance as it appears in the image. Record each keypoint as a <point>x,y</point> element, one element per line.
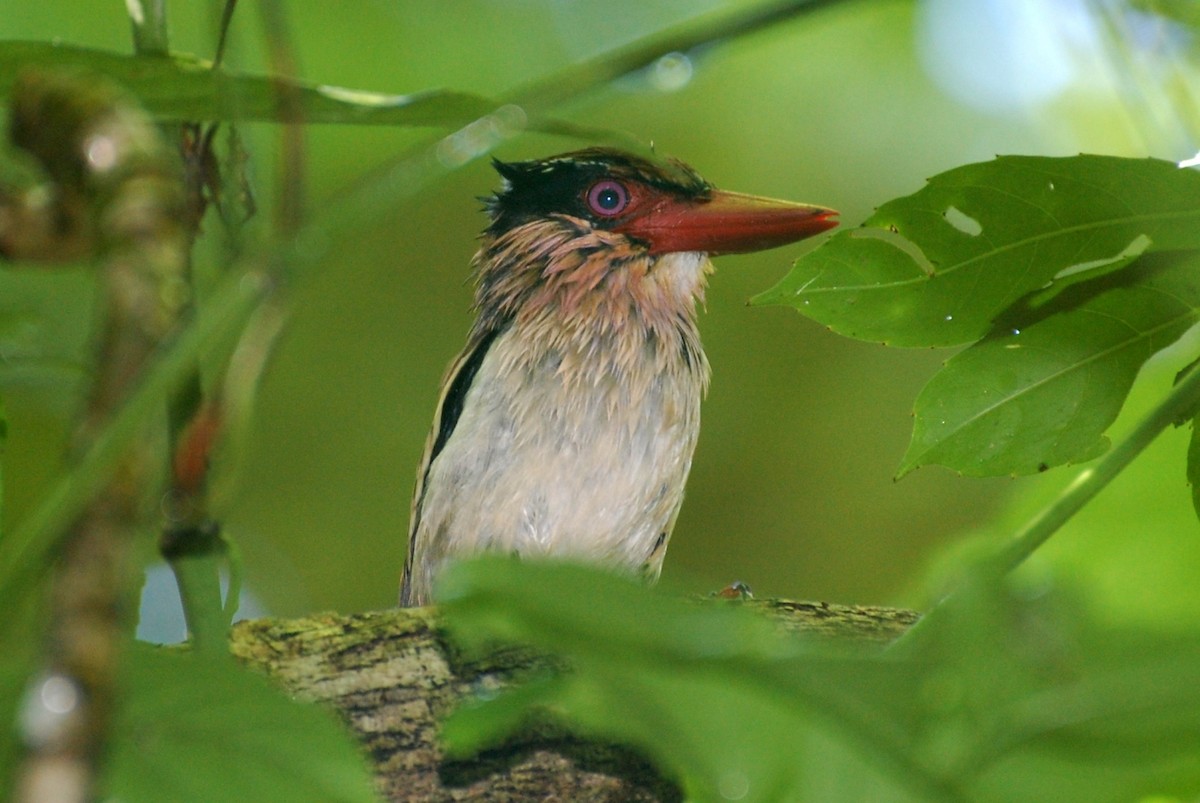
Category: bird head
<point>606,236</point>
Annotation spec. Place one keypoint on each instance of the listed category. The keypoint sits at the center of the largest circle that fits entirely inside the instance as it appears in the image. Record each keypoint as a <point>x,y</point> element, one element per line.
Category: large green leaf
<point>938,267</point>
<point>183,87</point>
<point>715,695</point>
<point>1000,698</point>
<point>1041,391</point>
<point>191,728</point>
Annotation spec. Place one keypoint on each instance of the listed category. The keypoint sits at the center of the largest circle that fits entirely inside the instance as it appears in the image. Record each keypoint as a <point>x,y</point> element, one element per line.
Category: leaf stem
<point>149,19</point>
<point>30,544</point>
<point>1179,404</point>
<point>702,31</point>
<point>199,579</point>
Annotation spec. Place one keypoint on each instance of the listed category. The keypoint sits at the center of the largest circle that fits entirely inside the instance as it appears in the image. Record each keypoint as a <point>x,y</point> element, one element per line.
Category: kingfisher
<point>566,427</point>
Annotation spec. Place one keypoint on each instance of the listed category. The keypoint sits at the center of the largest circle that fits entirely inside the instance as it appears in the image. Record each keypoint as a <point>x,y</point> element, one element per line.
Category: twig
<point>88,135</point>
<point>149,19</point>
<point>191,541</point>
<point>223,33</point>
<point>283,68</point>
<point>1181,403</point>
<point>713,29</point>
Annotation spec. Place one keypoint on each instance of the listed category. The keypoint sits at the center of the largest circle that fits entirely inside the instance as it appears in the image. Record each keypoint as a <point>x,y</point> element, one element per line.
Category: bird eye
<point>607,198</point>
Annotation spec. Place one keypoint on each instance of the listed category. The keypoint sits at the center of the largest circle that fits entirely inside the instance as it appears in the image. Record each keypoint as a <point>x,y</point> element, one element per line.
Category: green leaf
<point>1041,391</point>
<point>191,728</point>
<point>938,267</point>
<point>182,87</point>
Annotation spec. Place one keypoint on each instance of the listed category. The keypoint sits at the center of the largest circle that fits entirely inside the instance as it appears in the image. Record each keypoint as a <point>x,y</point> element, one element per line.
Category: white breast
<point>586,465</point>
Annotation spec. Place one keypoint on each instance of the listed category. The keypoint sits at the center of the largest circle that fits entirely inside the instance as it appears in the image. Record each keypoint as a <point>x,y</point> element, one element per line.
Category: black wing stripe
<point>456,395</point>
<point>448,413</point>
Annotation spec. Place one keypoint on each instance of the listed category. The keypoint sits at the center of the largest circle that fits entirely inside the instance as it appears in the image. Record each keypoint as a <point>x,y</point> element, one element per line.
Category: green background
<point>791,488</point>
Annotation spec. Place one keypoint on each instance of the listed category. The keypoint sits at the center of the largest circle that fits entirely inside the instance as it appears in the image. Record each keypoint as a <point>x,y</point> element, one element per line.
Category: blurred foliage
<point>1181,10</point>
<point>1004,698</point>
<point>201,728</point>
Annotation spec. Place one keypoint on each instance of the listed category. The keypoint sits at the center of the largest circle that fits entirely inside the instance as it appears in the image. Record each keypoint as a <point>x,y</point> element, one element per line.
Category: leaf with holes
<point>937,268</point>
<point>1042,391</point>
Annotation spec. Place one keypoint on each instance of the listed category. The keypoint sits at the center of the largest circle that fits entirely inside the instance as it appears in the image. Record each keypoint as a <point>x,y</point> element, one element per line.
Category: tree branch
<point>392,676</point>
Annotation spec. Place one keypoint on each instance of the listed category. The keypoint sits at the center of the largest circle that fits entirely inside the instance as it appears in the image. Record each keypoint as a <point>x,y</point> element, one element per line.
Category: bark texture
<point>392,676</point>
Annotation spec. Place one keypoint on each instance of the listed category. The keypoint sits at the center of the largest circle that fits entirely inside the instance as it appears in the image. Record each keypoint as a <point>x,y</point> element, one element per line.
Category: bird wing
<point>455,386</point>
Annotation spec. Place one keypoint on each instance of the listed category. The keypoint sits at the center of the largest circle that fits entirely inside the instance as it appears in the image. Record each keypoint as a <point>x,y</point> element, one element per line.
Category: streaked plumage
<point>567,425</point>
